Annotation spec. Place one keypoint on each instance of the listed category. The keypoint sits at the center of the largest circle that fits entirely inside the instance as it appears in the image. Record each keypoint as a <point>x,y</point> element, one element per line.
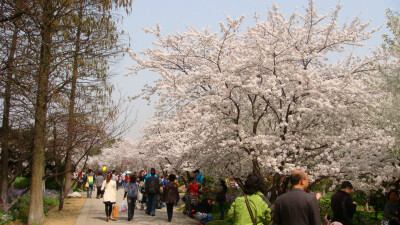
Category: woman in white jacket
<point>110,194</point>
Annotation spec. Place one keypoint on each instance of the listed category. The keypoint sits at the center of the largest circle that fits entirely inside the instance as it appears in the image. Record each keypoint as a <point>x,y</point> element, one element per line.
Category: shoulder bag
<point>248,207</point>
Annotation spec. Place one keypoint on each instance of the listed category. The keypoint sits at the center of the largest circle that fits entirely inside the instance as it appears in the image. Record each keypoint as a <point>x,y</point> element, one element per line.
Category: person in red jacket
<point>192,197</point>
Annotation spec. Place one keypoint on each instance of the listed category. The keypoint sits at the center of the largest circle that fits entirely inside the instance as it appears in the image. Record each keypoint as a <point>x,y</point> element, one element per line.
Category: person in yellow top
<point>177,183</point>
<point>258,203</point>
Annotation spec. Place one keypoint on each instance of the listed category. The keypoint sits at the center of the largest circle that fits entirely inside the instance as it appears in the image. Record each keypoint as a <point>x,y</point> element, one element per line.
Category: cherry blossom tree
<point>270,99</point>
<point>123,155</point>
<point>391,82</point>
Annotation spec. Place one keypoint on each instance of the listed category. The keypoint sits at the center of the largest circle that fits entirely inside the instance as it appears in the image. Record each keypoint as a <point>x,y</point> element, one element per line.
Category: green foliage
<point>321,186</point>
<point>22,183</point>
<point>19,211</point>
<point>360,197</point>
<point>5,217</point>
<point>215,213</point>
<point>377,200</point>
<point>51,184</point>
<point>325,205</point>
<point>75,187</point>
<point>208,191</point>
<point>364,217</point>
<point>23,211</point>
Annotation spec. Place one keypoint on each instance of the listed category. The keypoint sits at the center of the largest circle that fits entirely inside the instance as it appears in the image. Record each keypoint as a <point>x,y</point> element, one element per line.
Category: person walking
<point>297,207</point>
<point>342,206</point>
<point>99,183</point>
<point>131,190</point>
<point>253,206</point>
<point>142,177</point>
<point>221,198</point>
<point>171,195</point>
<point>115,178</point>
<point>110,194</point>
<point>90,183</point>
<point>152,190</point>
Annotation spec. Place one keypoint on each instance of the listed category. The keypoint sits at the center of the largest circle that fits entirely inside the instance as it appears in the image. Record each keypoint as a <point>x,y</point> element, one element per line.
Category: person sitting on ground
<point>202,210</point>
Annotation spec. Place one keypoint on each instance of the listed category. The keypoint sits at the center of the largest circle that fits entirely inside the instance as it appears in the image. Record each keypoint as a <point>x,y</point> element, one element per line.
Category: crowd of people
<point>296,207</point>
<point>145,188</point>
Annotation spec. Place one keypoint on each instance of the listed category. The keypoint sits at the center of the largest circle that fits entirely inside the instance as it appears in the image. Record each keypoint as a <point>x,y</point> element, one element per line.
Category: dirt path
<point>70,213</point>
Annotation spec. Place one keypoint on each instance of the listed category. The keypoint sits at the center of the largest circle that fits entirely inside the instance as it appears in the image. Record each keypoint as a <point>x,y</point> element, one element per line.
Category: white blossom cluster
<point>124,155</point>
<point>270,95</point>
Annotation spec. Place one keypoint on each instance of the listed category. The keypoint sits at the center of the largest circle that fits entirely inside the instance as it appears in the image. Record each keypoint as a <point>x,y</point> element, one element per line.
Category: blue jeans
<point>151,204</point>
<point>89,191</point>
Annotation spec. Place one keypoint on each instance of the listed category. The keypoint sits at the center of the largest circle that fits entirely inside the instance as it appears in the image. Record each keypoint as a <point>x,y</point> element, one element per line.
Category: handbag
<point>248,208</point>
<point>115,212</point>
<point>87,184</point>
<point>124,208</point>
<point>139,196</point>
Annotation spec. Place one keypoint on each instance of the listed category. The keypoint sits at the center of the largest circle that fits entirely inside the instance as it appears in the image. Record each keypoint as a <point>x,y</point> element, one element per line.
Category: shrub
<point>51,184</point>
<point>22,183</point>
<point>20,210</point>
<point>50,198</point>
<point>5,217</point>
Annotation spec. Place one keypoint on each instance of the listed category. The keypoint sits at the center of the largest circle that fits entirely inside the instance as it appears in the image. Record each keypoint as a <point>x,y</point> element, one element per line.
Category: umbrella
<point>126,172</point>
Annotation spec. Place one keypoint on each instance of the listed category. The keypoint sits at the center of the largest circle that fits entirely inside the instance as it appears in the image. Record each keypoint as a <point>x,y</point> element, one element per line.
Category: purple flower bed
<point>19,211</point>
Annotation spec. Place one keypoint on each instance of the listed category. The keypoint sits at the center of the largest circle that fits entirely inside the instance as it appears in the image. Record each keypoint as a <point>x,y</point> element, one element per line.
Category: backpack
<point>152,185</point>
<point>132,190</point>
<point>90,180</point>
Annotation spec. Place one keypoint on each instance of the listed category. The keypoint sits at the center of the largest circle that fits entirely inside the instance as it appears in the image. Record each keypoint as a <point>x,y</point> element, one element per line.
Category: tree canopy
<point>269,99</point>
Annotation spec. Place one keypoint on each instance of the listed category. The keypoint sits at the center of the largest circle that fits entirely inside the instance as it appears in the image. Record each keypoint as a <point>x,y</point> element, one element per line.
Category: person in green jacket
<point>257,202</point>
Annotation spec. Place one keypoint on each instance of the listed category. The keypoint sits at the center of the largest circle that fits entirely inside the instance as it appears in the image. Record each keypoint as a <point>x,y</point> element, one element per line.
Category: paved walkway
<point>93,213</point>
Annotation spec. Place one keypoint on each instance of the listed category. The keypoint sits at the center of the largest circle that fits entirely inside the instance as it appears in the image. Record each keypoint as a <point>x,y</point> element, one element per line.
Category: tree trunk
<point>276,181</point>
<point>36,214</point>
<point>71,108</point>
<point>61,205</point>
<point>6,120</point>
<point>257,171</point>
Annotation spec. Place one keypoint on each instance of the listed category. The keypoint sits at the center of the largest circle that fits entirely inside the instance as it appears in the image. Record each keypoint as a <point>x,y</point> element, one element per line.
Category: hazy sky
<point>175,15</point>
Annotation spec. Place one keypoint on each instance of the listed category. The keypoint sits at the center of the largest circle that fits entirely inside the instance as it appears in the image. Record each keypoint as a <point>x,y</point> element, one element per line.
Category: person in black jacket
<point>152,190</point>
<point>221,197</point>
<point>171,195</point>
<point>342,206</point>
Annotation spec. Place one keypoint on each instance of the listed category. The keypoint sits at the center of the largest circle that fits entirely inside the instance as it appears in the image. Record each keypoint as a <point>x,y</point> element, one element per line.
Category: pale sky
<point>175,15</point>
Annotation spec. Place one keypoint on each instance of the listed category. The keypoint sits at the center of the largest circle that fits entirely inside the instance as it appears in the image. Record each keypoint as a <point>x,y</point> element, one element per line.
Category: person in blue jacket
<point>198,177</point>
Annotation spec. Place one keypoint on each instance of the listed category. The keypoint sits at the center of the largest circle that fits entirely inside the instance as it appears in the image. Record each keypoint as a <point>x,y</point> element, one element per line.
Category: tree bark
<point>36,215</point>
<point>257,171</point>
<point>71,109</point>
<point>6,120</point>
